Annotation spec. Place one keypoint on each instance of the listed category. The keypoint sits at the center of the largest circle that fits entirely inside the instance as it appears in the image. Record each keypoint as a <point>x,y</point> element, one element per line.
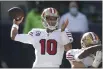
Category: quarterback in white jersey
<point>90,54</point>
<point>49,43</point>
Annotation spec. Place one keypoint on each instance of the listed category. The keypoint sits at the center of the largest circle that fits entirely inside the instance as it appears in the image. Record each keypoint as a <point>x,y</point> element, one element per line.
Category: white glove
<point>98,59</point>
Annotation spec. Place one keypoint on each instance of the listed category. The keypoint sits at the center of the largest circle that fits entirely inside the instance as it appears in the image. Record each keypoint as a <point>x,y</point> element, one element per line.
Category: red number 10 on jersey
<point>49,46</point>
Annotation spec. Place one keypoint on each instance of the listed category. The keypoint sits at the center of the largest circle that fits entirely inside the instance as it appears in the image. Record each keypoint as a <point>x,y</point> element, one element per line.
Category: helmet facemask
<point>50,22</point>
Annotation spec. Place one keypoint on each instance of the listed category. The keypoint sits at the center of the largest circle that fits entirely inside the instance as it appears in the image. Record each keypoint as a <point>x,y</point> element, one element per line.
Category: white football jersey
<point>72,55</point>
<point>49,47</point>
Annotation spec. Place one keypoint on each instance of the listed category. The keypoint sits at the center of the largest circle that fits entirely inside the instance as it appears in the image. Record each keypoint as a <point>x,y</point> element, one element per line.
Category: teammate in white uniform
<point>90,54</point>
<point>49,43</point>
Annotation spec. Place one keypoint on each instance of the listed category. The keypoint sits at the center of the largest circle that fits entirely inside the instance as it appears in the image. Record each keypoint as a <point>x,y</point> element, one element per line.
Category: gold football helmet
<point>89,39</point>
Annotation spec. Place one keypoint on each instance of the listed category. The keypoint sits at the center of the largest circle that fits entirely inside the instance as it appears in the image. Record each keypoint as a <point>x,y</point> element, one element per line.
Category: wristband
<point>15,25</point>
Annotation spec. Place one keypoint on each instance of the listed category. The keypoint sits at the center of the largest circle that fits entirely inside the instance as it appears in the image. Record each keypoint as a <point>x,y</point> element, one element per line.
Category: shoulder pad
<point>36,32</point>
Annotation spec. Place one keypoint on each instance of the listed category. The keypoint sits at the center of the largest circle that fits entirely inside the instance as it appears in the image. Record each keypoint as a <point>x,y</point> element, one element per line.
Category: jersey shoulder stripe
<point>68,33</point>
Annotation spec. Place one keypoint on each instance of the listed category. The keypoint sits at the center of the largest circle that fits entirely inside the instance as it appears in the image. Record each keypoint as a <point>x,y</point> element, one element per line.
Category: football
<point>16,13</point>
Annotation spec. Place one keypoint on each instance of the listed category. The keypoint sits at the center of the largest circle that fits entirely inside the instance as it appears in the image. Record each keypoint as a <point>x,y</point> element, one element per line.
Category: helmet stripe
<point>96,37</point>
<point>91,36</point>
<point>50,10</point>
<point>54,10</point>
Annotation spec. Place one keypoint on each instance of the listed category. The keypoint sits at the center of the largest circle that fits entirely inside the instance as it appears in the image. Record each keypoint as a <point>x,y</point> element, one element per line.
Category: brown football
<point>16,13</point>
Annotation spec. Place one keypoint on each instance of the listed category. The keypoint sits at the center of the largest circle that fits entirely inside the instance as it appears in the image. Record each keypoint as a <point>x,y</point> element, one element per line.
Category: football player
<point>49,43</point>
<point>89,55</point>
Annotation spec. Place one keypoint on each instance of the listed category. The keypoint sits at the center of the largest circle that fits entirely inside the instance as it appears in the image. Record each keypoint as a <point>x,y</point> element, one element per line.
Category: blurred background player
<point>78,23</point>
<point>33,19</point>
<point>90,55</point>
<point>49,43</point>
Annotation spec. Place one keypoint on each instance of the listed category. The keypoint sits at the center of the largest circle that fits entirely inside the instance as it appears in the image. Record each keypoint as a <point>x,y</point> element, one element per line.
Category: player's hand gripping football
<point>20,19</point>
<point>64,25</point>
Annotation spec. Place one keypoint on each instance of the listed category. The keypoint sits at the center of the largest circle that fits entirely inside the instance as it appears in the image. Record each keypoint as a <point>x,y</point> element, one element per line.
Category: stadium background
<point>18,55</point>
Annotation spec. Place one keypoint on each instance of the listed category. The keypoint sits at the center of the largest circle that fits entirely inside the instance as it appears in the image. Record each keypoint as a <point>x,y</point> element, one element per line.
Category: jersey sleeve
<point>25,38</point>
<point>66,37</point>
<point>70,55</point>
